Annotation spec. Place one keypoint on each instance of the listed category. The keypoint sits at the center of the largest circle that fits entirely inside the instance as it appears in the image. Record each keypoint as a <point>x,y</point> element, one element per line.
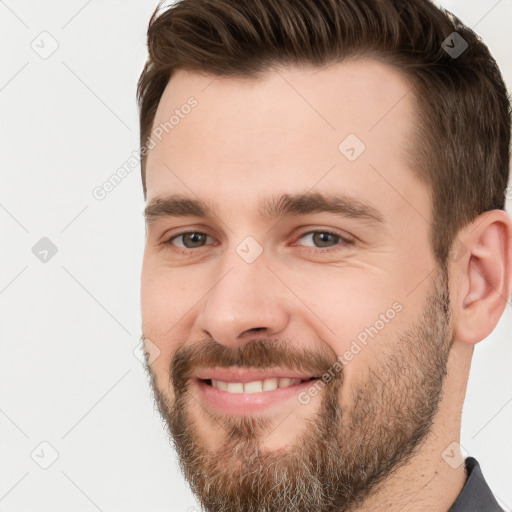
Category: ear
<point>484,276</point>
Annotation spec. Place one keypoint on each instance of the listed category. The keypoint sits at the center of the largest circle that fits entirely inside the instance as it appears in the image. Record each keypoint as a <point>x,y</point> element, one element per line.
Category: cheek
<point>357,313</point>
<point>348,300</point>
<point>166,298</point>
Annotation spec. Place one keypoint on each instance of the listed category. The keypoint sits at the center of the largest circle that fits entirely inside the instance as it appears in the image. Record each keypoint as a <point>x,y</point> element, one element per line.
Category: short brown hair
<point>462,134</point>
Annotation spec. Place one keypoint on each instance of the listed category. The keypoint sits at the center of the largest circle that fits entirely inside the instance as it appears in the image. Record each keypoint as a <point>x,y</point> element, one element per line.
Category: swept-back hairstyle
<point>461,147</point>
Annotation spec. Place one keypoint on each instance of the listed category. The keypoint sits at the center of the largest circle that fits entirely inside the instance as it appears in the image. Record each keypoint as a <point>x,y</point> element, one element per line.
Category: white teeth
<point>285,382</point>
<point>253,387</point>
<point>221,385</point>
<point>270,384</point>
<point>235,387</point>
<point>256,386</point>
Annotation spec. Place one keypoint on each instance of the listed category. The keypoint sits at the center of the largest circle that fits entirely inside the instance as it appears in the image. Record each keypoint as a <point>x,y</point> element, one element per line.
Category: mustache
<point>259,354</point>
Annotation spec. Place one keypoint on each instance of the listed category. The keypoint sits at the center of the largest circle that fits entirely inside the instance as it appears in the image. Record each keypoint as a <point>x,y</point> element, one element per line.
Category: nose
<point>248,302</point>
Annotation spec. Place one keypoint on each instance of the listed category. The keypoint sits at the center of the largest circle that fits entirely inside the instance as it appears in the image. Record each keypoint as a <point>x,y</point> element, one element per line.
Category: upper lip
<point>248,375</point>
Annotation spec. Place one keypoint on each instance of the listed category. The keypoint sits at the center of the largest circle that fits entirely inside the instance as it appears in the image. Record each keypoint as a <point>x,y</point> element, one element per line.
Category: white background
<point>68,327</point>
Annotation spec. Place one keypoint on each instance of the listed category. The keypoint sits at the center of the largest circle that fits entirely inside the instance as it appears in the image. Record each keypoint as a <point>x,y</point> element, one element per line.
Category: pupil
<point>321,239</point>
<point>195,239</point>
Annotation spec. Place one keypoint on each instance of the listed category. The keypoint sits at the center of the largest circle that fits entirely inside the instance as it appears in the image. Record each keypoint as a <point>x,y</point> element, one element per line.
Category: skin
<point>249,139</point>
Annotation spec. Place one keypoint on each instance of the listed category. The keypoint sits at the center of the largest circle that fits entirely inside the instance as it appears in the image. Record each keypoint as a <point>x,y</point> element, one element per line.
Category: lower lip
<point>240,403</point>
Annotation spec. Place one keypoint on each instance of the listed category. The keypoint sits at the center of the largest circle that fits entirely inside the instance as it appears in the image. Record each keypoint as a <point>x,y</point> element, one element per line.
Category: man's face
<point>272,284</point>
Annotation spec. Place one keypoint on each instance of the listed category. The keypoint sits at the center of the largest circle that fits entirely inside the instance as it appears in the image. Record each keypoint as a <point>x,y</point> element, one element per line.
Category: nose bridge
<point>244,296</point>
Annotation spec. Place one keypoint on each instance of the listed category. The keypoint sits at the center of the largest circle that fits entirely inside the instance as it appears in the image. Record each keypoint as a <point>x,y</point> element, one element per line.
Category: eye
<point>323,239</point>
<point>189,240</point>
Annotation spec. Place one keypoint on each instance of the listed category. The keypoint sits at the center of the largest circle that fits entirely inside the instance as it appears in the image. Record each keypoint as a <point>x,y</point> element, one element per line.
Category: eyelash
<point>308,249</point>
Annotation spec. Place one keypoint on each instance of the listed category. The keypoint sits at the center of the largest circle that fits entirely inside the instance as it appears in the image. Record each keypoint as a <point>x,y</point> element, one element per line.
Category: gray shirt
<point>475,495</point>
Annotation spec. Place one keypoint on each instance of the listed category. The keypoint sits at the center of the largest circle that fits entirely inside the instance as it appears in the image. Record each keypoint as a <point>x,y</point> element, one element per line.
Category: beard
<point>342,455</point>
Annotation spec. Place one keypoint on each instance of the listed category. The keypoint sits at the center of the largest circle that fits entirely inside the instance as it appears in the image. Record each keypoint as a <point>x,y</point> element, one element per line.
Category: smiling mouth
<point>256,386</point>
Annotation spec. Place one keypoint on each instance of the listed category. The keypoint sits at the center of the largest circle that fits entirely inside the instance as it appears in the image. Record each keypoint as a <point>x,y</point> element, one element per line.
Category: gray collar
<point>475,495</point>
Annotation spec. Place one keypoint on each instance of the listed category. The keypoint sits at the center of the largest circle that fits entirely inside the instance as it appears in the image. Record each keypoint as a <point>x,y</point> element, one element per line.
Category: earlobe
<point>485,282</point>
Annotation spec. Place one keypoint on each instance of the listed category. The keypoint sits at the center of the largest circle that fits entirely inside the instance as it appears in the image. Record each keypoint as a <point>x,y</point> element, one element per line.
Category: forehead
<point>346,125</point>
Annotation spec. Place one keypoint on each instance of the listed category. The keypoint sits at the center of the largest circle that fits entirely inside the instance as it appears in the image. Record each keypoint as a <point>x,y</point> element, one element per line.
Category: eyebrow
<point>270,208</point>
